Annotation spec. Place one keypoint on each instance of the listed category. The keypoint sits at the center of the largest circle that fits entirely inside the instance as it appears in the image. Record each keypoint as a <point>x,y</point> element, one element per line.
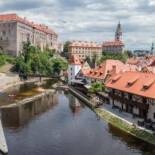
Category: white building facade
<point>14,31</point>
<point>73,68</point>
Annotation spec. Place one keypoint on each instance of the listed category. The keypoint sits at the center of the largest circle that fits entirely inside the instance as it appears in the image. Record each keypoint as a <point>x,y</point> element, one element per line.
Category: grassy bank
<point>118,122</point>
<point>125,126</point>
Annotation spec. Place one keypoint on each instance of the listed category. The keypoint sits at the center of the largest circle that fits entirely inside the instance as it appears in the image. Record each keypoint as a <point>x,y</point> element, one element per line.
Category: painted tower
<point>73,68</point>
<point>152,49</point>
<point>118,33</point>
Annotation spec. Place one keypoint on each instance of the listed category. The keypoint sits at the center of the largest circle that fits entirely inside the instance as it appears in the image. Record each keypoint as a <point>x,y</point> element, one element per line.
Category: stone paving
<point>122,114</point>
<point>8,79</point>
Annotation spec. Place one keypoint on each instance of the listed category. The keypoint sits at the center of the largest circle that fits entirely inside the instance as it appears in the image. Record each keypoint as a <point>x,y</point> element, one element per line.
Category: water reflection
<point>23,91</point>
<point>74,104</point>
<point>19,115</point>
<point>65,126</point>
<point>132,142</point>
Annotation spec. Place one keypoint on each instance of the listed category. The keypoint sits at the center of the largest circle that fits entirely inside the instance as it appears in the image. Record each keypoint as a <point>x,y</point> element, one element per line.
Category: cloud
<point>91,20</point>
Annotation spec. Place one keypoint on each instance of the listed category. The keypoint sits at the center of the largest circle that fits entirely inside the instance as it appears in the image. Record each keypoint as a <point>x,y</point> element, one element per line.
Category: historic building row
<point>85,49</point>
<point>129,89</point>
<point>14,31</point>
<point>134,93</point>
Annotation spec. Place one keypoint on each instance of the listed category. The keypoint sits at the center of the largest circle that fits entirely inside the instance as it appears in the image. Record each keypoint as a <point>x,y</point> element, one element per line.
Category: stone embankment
<point>30,99</point>
<point>15,80</point>
<point>118,122</point>
<point>8,80</point>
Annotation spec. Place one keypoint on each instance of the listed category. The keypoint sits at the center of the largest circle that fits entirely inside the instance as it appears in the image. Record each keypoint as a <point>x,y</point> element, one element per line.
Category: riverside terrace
<point>133,92</point>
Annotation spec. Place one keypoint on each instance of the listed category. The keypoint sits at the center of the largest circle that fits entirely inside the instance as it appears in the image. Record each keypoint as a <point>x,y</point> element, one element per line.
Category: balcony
<point>123,100</point>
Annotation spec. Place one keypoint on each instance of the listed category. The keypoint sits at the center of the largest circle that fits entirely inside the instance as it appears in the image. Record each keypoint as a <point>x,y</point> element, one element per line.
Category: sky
<point>92,20</point>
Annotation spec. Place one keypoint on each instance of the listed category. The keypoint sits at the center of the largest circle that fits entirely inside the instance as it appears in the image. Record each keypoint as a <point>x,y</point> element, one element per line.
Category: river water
<point>63,125</point>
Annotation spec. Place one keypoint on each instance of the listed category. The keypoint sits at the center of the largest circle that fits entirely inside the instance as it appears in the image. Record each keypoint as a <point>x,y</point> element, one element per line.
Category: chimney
<point>114,68</point>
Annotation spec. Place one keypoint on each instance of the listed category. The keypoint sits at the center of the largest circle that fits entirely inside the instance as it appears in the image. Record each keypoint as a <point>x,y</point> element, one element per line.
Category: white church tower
<point>73,68</point>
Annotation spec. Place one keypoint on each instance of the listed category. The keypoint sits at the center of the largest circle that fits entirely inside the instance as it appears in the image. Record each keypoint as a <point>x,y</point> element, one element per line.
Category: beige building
<point>85,49</point>
<point>117,45</point>
<point>14,31</point>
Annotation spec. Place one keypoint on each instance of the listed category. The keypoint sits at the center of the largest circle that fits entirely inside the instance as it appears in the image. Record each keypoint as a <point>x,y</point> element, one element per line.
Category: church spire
<point>118,33</point>
<point>152,49</point>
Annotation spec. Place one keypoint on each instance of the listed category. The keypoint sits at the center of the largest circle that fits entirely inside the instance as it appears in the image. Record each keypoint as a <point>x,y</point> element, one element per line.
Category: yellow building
<point>84,49</point>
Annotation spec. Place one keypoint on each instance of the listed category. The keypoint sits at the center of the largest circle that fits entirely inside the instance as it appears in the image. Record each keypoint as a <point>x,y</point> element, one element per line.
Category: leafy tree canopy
<point>34,61</point>
<point>96,87</point>
<point>66,46</point>
<point>115,56</point>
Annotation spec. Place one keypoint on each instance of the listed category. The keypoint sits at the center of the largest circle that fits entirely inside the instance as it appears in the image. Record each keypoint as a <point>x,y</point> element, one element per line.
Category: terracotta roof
<point>142,84</point>
<point>16,18</point>
<point>133,61</point>
<point>85,44</point>
<point>113,43</point>
<point>75,60</point>
<point>108,67</point>
<point>152,63</point>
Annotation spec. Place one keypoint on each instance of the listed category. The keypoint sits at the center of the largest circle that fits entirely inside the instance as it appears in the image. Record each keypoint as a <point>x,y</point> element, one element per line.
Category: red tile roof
<point>142,84</point>
<point>113,43</point>
<point>133,61</point>
<point>15,17</point>
<point>152,64</point>
<point>85,44</point>
<point>108,67</point>
<point>75,60</point>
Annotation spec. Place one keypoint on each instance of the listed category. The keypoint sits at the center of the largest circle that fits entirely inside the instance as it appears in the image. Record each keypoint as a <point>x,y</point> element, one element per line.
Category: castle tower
<point>152,49</point>
<point>118,33</point>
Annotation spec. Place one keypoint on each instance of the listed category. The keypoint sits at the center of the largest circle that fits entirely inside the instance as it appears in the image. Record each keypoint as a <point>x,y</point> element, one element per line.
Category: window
<point>137,98</point>
<point>150,101</point>
<point>4,33</point>
<point>126,95</point>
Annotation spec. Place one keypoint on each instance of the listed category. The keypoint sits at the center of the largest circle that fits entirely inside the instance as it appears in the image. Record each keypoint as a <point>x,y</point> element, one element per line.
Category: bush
<point>4,59</point>
<point>96,87</point>
<point>115,56</point>
<point>35,61</point>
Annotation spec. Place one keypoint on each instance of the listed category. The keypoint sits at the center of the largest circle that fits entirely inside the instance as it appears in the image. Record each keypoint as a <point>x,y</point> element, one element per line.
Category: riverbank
<point>30,99</point>
<point>118,122</point>
<point>19,82</point>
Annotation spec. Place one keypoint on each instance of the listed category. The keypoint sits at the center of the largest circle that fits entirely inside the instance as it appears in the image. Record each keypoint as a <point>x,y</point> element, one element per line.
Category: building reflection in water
<point>16,116</point>
<point>74,104</point>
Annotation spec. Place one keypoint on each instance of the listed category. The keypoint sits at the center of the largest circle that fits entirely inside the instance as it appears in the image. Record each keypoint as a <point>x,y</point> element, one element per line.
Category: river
<point>63,125</point>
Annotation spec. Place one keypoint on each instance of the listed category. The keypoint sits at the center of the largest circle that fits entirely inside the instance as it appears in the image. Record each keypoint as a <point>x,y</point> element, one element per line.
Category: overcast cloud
<point>94,20</point>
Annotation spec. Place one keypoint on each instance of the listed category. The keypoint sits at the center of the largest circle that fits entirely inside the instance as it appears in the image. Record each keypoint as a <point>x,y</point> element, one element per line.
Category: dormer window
<point>148,84</point>
<point>95,72</point>
<point>101,73</point>
<point>116,78</point>
<point>132,81</point>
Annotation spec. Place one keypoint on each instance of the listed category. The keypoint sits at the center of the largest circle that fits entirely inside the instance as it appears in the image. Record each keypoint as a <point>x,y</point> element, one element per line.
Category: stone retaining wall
<point>118,122</point>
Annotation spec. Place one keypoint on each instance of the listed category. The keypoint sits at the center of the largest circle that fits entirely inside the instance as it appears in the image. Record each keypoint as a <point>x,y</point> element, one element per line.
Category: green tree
<point>129,53</point>
<point>56,67</point>
<point>59,64</point>
<point>26,51</point>
<point>115,56</point>
<point>35,61</point>
<point>96,87</point>
<point>66,46</point>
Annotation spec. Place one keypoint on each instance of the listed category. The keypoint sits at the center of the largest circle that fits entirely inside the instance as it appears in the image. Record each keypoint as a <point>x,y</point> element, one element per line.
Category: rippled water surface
<point>63,125</point>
